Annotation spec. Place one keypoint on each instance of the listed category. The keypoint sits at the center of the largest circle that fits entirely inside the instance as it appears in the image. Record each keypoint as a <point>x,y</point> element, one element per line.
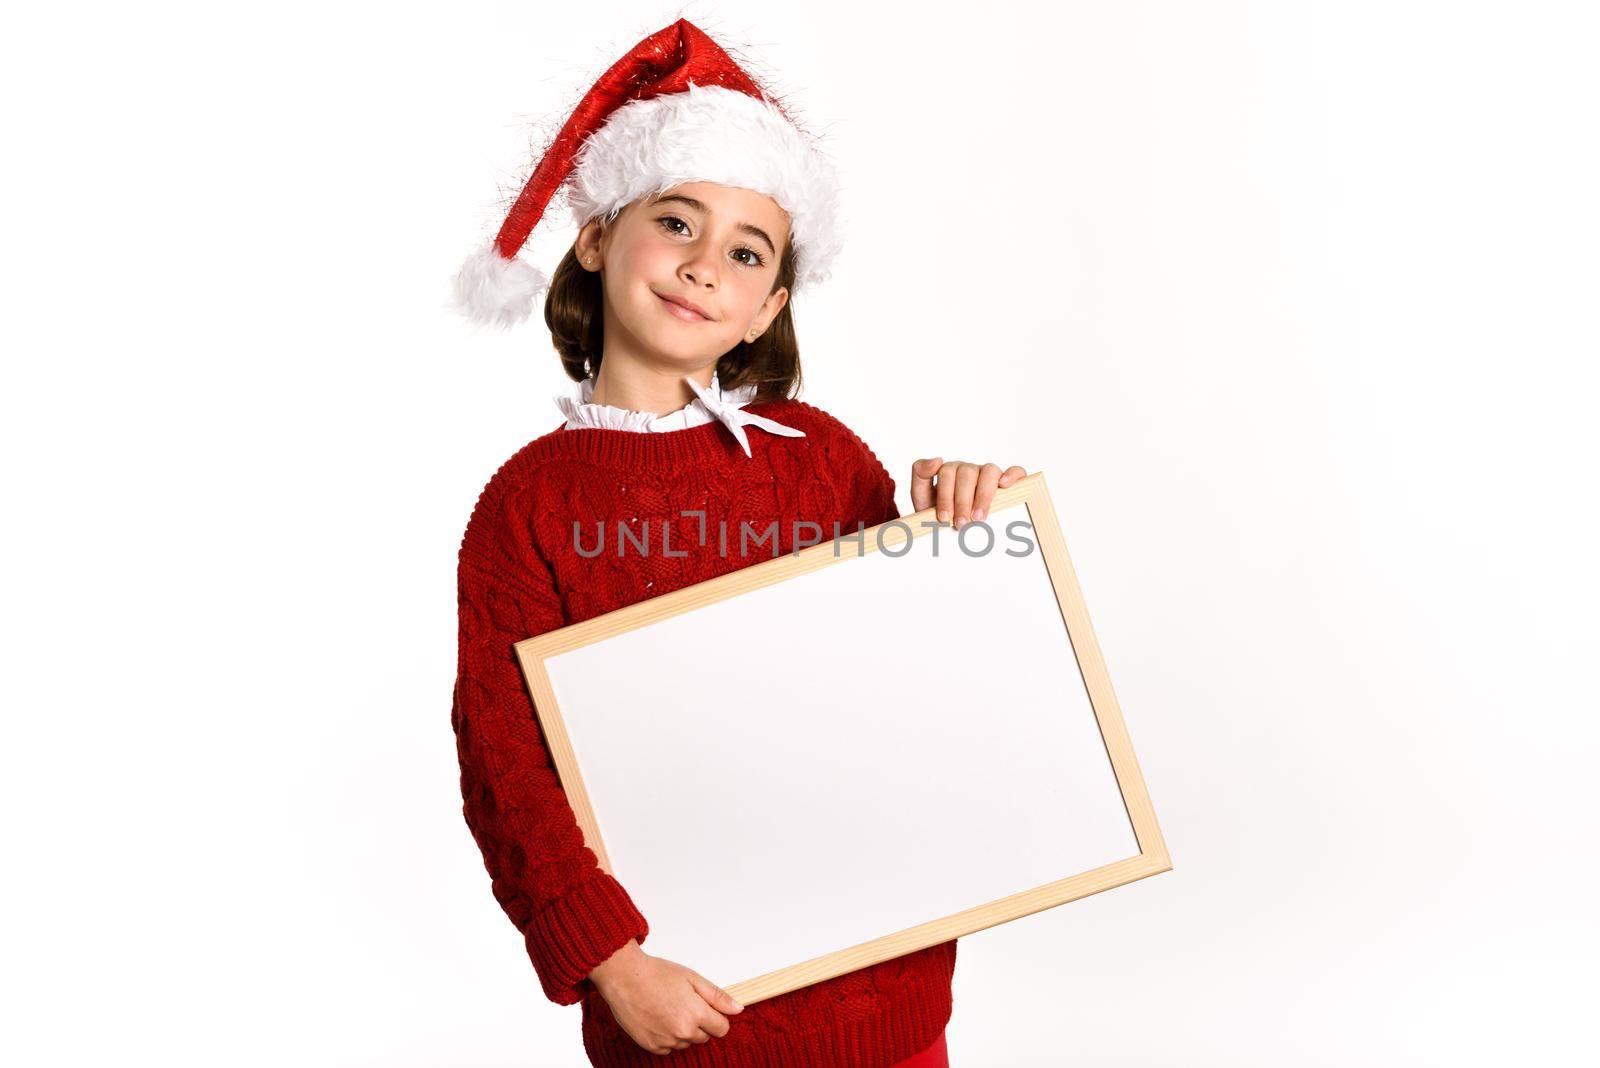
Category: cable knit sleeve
<point>571,913</point>
<point>872,487</point>
<point>879,506</point>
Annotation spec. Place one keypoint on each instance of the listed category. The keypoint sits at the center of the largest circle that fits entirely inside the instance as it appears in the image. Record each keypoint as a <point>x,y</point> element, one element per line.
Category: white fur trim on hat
<point>491,290</point>
<point>712,134</point>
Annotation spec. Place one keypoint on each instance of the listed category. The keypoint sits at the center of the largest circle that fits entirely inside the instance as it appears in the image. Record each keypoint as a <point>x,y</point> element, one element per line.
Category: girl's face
<point>713,246</point>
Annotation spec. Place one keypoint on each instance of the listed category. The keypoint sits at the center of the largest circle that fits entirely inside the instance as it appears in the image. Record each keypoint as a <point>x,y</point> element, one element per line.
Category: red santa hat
<point>675,109</point>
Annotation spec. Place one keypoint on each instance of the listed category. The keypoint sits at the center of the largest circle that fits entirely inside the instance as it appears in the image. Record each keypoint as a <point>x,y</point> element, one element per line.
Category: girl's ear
<point>586,247</point>
<point>769,311</point>
<point>774,304</point>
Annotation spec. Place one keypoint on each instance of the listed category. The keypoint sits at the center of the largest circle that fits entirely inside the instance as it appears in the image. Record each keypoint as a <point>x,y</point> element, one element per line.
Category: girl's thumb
<point>714,993</point>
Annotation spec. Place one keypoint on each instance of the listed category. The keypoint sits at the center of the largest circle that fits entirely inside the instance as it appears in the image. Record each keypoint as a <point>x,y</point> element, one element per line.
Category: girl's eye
<point>757,260</point>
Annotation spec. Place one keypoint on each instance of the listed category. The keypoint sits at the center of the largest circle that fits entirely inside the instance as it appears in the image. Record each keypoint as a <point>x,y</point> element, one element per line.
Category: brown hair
<point>573,311</point>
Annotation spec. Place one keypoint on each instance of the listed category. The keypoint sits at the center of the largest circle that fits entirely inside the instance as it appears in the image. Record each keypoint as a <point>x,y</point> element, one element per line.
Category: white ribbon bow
<point>729,413</point>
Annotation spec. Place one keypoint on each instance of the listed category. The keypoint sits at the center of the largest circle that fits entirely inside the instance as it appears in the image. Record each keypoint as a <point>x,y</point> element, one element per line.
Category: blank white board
<point>801,768</point>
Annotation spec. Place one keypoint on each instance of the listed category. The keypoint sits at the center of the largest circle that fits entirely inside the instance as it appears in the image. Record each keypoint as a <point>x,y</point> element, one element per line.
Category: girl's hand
<point>963,488</point>
<point>661,1004</point>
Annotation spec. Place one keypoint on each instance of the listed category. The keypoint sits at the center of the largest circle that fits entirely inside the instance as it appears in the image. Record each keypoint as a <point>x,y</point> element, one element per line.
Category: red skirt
<point>935,1056</point>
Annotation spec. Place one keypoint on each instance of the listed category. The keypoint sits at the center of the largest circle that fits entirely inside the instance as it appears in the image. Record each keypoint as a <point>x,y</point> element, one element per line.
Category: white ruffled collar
<point>713,403</point>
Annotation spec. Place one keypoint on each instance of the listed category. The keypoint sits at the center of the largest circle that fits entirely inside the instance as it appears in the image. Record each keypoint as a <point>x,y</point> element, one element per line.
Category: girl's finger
<point>966,486</point>
<point>944,490</point>
<point>988,479</point>
<point>1011,475</point>
<point>922,472</point>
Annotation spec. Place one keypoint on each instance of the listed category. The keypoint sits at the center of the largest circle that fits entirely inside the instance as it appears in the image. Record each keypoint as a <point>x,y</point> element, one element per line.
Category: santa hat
<point>675,109</point>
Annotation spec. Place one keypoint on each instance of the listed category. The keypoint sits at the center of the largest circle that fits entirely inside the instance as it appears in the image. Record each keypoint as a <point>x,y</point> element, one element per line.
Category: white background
<point>1294,304</point>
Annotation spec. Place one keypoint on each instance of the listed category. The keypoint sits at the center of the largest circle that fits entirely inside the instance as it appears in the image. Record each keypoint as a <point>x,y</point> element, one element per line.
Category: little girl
<point>701,210</point>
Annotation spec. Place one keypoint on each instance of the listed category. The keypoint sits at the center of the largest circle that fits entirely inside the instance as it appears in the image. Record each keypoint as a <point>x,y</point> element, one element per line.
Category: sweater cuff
<point>577,932</point>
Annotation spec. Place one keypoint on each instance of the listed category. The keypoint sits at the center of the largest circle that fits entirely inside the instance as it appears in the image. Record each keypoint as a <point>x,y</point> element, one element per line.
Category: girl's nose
<point>700,271</point>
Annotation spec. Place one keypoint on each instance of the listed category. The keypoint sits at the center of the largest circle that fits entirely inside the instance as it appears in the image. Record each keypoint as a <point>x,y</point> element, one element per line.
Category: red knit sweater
<point>520,575</point>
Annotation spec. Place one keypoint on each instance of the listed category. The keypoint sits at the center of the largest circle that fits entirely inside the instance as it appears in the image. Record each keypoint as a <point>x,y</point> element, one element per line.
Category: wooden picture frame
<point>595,686</point>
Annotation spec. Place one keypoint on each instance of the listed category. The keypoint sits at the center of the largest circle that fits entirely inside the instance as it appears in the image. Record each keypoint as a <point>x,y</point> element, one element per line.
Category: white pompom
<point>494,291</point>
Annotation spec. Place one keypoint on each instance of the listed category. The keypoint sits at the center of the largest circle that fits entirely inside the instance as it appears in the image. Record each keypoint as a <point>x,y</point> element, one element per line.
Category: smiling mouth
<point>681,312</point>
